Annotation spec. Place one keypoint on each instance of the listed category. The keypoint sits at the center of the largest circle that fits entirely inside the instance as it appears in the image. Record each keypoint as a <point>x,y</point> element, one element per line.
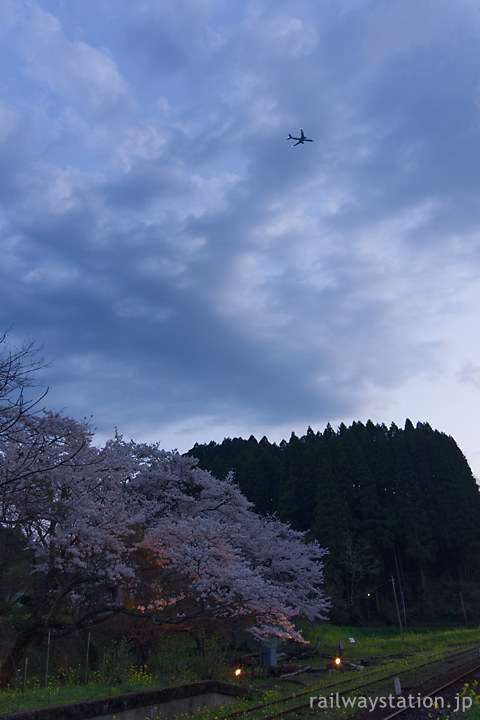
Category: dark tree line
<point>387,502</point>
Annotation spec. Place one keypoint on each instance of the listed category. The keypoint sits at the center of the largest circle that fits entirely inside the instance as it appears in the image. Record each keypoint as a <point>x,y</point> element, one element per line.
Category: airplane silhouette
<point>300,139</point>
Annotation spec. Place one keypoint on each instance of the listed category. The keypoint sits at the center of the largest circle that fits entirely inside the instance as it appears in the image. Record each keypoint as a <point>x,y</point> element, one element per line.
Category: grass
<point>67,687</point>
<point>180,664</point>
<point>472,691</point>
<point>385,642</point>
<point>174,664</point>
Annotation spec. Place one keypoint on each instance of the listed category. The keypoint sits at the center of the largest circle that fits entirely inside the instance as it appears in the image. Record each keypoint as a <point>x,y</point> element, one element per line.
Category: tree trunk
<point>22,642</point>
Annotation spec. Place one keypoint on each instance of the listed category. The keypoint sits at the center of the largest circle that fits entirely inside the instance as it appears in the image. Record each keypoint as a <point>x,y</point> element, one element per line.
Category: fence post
<point>86,658</point>
<point>24,674</point>
<point>47,660</point>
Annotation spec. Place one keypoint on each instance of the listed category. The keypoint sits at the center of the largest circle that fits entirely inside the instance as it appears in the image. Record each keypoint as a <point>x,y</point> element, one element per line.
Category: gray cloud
<point>184,267</point>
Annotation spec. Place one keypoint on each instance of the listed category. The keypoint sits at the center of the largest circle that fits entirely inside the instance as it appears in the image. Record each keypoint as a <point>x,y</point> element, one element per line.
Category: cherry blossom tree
<point>131,529</point>
<point>226,559</point>
<point>67,500</point>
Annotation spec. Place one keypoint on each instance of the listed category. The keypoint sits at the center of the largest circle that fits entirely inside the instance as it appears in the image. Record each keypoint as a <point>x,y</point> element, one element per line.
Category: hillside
<point>385,501</point>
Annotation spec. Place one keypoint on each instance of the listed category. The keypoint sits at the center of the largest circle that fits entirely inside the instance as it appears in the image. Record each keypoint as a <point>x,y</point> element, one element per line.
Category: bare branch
<point>18,368</point>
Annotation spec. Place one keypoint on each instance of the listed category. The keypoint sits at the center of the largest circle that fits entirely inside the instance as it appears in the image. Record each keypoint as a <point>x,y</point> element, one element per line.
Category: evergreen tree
<point>384,500</point>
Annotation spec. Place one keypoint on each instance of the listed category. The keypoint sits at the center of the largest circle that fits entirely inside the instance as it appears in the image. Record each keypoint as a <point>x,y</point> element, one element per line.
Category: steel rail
<point>465,674</point>
<point>355,688</point>
<point>404,710</point>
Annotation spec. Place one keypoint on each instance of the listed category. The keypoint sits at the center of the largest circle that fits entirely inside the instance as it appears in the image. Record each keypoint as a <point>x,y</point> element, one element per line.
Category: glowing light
<point>338,661</point>
<point>238,672</point>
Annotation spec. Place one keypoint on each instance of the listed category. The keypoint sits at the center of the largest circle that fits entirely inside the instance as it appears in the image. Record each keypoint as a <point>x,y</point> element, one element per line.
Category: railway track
<point>376,684</point>
<point>443,696</point>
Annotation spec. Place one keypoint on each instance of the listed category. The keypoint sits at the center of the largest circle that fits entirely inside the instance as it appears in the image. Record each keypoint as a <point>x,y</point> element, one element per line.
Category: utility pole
<point>396,605</point>
<point>463,609</point>
<point>400,587</point>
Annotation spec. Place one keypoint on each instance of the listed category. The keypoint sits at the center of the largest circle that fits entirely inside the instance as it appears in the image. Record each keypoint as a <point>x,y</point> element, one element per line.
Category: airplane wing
<point>302,134</point>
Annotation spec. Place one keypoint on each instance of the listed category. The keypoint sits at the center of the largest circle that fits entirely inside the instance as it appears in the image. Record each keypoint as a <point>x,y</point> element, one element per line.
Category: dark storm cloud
<point>185,267</point>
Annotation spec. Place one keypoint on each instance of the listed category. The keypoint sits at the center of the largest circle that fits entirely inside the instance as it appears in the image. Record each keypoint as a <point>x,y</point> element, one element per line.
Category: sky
<point>191,276</point>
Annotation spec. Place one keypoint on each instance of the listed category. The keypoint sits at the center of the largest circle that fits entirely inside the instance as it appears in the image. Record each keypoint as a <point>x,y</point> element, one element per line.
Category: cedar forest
<point>386,502</point>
